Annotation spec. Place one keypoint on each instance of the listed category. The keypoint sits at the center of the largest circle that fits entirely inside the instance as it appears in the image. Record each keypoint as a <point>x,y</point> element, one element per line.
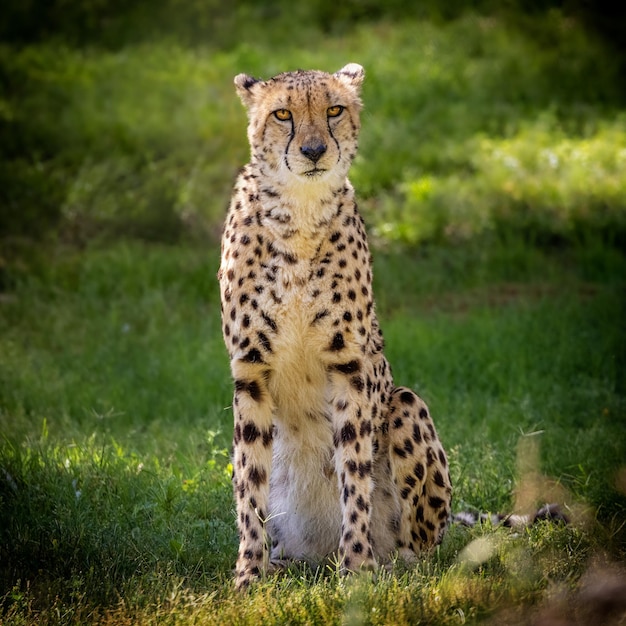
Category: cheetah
<point>330,459</point>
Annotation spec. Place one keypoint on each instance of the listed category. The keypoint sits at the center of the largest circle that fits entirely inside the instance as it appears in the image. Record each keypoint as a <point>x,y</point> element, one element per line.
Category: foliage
<point>112,23</point>
<point>538,183</point>
<point>144,141</point>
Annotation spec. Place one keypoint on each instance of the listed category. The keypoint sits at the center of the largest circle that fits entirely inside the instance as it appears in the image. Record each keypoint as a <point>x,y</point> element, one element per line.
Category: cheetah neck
<point>299,215</point>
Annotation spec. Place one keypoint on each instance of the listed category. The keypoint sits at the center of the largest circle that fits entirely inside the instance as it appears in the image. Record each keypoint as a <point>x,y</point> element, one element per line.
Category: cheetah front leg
<point>420,472</point>
<point>353,462</point>
<point>252,459</point>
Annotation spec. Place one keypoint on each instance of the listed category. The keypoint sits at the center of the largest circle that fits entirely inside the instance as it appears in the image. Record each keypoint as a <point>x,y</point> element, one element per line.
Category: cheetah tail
<point>552,512</point>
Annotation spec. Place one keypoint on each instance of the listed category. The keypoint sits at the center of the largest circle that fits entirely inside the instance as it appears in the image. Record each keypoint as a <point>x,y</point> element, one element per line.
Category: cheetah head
<point>304,125</point>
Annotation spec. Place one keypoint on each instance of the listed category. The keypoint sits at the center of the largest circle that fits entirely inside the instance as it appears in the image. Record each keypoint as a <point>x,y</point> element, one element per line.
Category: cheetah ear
<point>244,83</point>
<point>352,74</point>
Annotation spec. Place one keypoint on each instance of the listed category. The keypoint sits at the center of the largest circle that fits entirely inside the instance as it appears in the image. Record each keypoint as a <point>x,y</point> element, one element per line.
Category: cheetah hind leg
<point>419,469</point>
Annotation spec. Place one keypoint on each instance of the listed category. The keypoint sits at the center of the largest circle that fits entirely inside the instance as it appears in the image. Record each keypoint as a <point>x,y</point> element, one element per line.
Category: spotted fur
<point>330,458</point>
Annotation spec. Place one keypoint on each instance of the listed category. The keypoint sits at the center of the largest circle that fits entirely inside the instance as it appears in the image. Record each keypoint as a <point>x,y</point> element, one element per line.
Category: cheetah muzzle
<point>330,458</point>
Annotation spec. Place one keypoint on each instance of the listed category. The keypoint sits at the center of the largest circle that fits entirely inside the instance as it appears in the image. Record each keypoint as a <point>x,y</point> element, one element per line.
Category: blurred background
<point>119,119</point>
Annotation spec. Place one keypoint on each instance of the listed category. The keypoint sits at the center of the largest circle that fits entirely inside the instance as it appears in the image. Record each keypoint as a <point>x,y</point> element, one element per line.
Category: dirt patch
<point>503,295</point>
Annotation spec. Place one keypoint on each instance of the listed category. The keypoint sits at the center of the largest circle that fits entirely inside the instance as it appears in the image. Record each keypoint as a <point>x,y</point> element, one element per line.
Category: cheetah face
<point>304,125</point>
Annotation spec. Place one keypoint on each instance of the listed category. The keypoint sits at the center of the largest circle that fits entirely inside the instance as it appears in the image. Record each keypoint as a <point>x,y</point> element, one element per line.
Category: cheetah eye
<point>283,115</point>
<point>334,111</point>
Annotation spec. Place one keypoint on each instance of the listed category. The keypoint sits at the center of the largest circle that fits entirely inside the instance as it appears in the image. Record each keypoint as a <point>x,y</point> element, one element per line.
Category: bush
<point>539,183</point>
<point>145,141</point>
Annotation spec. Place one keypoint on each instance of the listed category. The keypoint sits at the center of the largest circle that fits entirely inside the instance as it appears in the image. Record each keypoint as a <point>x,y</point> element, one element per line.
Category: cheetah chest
<point>289,304</point>
<point>298,376</point>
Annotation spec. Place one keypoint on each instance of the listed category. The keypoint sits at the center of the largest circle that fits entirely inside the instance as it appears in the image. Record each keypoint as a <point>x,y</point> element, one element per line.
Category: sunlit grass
<point>539,181</point>
<point>94,515</point>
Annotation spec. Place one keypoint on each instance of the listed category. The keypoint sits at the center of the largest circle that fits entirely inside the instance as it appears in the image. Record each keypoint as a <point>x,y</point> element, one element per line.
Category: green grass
<point>115,498</point>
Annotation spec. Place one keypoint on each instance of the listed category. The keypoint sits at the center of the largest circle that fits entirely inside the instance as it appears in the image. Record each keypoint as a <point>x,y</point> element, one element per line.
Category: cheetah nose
<point>313,152</point>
